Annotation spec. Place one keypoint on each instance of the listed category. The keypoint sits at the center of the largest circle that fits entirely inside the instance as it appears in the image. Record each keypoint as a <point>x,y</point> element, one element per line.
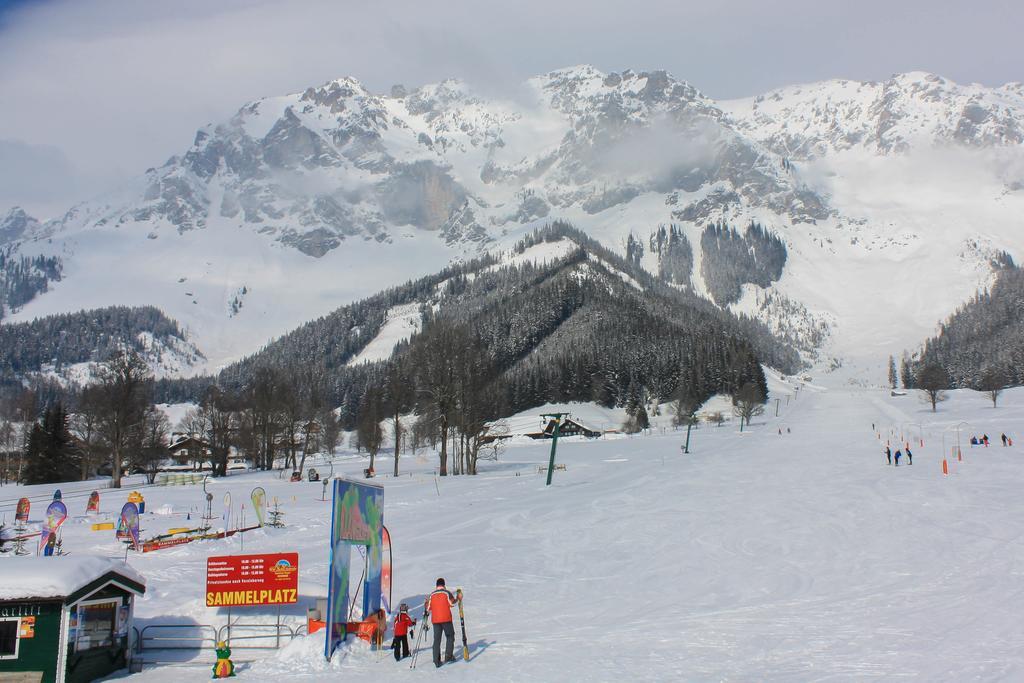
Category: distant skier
<point>984,440</point>
<point>888,455</point>
<point>896,456</point>
<point>403,622</point>
<point>439,606</point>
<point>910,457</point>
<point>1003,437</point>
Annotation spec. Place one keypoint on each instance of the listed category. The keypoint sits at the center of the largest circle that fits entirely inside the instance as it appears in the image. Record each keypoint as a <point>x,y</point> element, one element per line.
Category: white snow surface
<point>400,323</point>
<point>798,556</point>
<point>50,577</point>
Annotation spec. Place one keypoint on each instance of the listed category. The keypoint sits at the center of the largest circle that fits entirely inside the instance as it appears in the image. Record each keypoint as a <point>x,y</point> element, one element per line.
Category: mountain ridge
<point>292,191</point>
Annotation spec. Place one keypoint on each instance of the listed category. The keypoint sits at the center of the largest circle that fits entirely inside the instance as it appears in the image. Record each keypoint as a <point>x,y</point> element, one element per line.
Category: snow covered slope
<point>796,557</point>
<point>891,199</point>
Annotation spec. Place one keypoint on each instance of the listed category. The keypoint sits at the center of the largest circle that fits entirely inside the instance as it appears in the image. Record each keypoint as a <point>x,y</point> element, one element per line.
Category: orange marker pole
<point>945,467</point>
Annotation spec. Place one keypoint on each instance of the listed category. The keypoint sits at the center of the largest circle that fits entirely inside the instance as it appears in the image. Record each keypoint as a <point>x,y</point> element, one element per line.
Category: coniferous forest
<point>731,259</point>
<point>494,339</point>
<point>984,338</point>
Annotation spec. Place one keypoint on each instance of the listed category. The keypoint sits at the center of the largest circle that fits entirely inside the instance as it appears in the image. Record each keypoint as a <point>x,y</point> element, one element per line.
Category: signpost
<point>246,580</point>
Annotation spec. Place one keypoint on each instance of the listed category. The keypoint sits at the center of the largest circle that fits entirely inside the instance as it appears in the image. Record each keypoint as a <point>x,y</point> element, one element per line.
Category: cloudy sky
<point>92,92</point>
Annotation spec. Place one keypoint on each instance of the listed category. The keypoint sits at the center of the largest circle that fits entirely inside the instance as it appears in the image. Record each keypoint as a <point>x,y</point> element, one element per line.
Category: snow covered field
<point>759,556</point>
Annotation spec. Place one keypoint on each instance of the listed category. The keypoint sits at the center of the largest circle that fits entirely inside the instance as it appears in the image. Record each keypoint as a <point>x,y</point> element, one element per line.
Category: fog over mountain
<point>857,214</point>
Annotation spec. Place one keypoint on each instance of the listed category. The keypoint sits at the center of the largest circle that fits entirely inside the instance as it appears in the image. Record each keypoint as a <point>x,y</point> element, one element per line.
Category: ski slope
<point>797,556</point>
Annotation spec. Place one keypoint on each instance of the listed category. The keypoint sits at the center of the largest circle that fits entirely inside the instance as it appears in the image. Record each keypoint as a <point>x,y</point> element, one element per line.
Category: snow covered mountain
<point>906,112</point>
<point>890,200</point>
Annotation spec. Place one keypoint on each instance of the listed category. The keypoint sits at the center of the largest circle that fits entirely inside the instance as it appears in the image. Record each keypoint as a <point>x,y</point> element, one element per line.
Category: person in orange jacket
<point>403,621</point>
<point>439,606</point>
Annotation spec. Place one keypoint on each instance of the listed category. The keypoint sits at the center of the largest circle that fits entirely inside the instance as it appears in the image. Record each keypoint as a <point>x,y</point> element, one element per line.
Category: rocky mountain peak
<point>16,224</point>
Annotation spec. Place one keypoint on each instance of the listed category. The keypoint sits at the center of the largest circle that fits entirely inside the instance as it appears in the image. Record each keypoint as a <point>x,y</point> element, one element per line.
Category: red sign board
<point>241,580</point>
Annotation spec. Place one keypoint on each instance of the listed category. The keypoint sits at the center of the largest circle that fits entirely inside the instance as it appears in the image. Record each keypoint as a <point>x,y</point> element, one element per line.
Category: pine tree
<point>892,373</point>
<point>51,455</point>
<point>906,373</point>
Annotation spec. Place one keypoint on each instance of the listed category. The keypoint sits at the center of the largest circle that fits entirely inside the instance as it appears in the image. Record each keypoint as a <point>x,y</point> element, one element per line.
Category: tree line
<point>494,340</point>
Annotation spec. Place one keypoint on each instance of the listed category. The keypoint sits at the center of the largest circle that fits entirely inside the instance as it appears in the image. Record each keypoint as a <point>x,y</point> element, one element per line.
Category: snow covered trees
<point>988,331</point>
<point>731,259</point>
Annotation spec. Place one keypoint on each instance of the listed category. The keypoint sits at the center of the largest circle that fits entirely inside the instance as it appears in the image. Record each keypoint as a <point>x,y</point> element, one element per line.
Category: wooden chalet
<point>570,427</point>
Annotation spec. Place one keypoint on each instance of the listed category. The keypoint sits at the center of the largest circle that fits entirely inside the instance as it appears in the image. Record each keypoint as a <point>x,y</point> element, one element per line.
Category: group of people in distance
<point>983,441</point>
<point>890,456</point>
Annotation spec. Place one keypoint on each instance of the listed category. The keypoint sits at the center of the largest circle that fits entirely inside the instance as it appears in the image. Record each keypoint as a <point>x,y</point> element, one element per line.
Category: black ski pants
<point>448,630</point>
<point>401,647</point>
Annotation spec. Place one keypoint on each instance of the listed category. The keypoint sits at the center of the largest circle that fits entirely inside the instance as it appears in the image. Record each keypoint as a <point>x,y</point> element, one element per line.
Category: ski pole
<point>419,637</point>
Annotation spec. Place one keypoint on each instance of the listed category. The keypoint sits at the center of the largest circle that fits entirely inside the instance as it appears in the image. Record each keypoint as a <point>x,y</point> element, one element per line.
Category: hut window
<point>9,638</point>
<point>96,624</point>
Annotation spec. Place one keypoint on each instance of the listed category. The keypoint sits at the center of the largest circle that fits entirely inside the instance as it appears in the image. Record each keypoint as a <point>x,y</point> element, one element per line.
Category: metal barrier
<point>180,478</point>
<point>205,639</point>
<point>257,632</point>
<point>205,636</point>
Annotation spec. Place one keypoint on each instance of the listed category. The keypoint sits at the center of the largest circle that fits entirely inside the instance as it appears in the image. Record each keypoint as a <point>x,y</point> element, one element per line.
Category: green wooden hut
<point>65,618</point>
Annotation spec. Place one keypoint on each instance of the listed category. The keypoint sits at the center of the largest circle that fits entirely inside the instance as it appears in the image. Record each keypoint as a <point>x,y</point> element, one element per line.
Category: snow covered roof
<point>57,577</point>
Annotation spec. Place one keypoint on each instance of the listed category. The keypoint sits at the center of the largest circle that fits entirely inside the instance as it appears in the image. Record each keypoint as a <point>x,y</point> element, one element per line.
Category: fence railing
<point>180,478</point>
<point>241,636</point>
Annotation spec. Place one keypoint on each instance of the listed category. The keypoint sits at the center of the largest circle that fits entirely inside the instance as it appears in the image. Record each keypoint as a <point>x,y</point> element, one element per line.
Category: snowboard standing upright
<point>462,623</point>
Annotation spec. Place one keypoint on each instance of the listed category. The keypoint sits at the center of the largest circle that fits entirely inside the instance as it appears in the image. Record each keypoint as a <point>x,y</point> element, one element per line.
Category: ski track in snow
<point>759,556</point>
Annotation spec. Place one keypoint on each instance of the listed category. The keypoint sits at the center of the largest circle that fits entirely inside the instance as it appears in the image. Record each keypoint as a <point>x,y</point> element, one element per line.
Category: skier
<point>984,440</point>
<point>897,457</point>
<point>402,623</point>
<point>910,457</point>
<point>888,455</point>
<point>1003,437</point>
<point>439,606</point>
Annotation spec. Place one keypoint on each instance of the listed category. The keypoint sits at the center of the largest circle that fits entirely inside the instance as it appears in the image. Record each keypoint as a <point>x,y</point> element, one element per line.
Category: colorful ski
<point>462,623</point>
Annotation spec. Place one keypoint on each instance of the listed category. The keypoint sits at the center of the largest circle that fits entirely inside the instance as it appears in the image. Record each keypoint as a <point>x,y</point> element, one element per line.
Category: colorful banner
<point>21,514</point>
<point>385,570</point>
<point>245,580</point>
<point>56,513</point>
<point>129,524</point>
<point>259,504</point>
<point>226,516</point>
<point>94,503</point>
<point>357,518</point>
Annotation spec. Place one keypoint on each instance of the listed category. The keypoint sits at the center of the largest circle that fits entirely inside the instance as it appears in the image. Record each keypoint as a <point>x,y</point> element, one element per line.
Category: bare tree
<point>993,381</point>
<point>933,381</point>
<point>85,426</point>
<point>193,425</point>
<point>219,427</point>
<point>716,418</point>
<point>748,402</point>
<point>124,391</point>
<point>397,399</point>
<point>437,359</point>
<point>684,405</point>
<point>368,430</point>
<point>330,430</point>
<point>151,450</point>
